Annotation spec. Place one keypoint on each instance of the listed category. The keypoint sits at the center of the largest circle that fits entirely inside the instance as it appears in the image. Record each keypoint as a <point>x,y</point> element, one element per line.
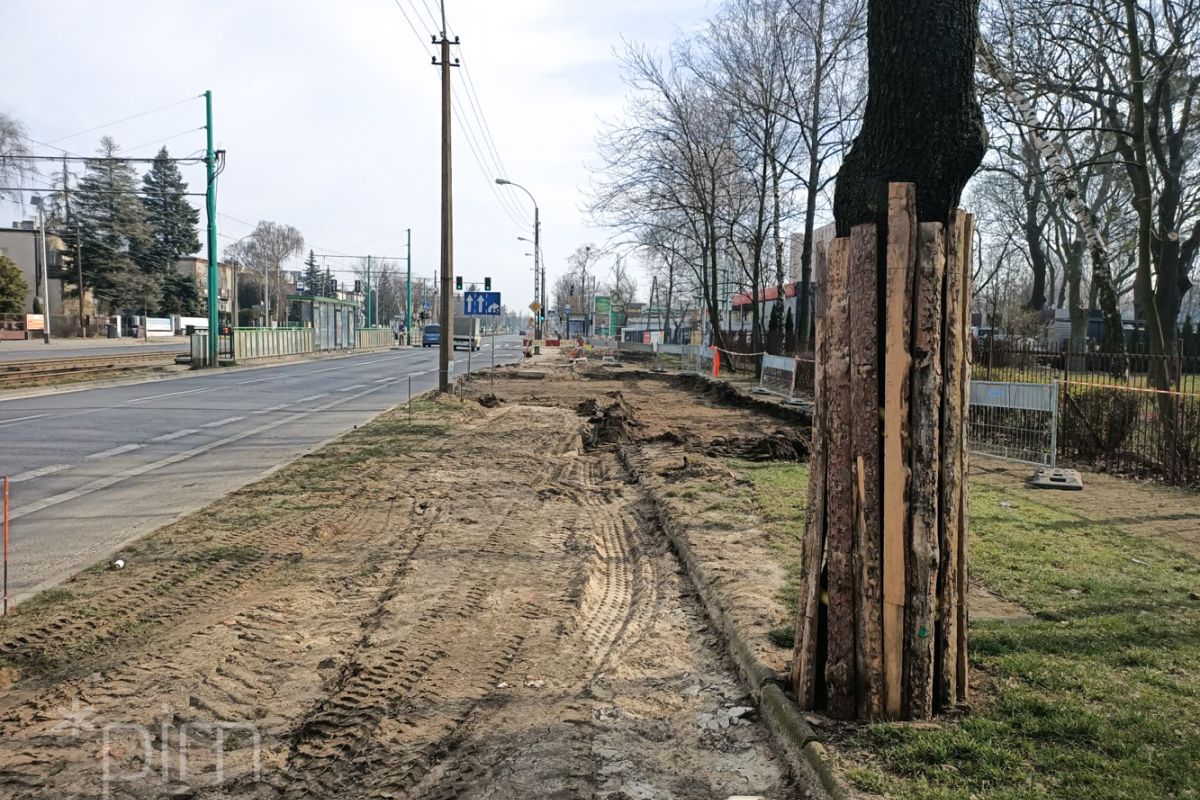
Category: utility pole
<point>210,163</point>
<point>79,275</point>
<point>408,292</point>
<point>367,304</point>
<point>45,271</point>
<point>446,339</point>
<point>78,247</point>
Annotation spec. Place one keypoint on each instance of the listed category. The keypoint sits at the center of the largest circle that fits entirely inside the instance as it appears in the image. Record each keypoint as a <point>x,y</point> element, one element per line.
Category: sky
<point>330,112</point>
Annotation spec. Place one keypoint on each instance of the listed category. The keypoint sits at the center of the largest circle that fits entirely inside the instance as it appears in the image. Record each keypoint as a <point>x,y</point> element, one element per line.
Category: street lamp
<point>539,271</point>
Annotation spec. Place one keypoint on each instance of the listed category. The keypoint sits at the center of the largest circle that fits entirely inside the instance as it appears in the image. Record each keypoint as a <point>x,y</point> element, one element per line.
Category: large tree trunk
<point>923,123</point>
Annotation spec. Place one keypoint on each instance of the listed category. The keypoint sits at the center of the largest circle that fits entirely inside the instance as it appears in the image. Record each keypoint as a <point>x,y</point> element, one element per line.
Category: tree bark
<point>922,123</point>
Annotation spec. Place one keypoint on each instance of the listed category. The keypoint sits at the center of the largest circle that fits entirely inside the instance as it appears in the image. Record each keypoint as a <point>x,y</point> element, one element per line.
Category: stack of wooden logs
<point>882,629</point>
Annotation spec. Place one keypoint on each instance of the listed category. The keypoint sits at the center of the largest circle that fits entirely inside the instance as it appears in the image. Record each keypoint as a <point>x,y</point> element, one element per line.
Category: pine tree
<point>172,218</point>
<point>181,295</point>
<point>113,225</point>
<point>314,279</point>
<point>329,287</point>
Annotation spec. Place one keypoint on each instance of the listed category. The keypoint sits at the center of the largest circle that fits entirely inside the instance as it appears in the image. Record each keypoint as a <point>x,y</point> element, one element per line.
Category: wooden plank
<point>839,491</point>
<point>968,251</point>
<point>865,446</point>
<point>951,468</point>
<point>807,662</point>
<point>901,254</point>
<point>925,408</point>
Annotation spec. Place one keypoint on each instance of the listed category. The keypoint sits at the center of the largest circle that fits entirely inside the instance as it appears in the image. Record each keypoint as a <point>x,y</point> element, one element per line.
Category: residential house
<point>227,276</point>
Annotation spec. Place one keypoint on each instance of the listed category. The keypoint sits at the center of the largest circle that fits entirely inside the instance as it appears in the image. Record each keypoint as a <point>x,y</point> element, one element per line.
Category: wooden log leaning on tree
<point>811,618</point>
<point>901,259</point>
<point>840,659</point>
<point>885,541</point>
<point>865,445</point>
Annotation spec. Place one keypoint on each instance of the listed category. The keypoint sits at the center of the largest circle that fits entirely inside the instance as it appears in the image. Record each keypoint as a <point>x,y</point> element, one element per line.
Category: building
<point>227,276</point>
<point>822,236</point>
<point>22,243</point>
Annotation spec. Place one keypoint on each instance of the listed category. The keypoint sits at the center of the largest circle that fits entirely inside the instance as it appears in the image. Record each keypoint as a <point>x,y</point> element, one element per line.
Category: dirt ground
<point>1169,516</point>
<point>478,605</point>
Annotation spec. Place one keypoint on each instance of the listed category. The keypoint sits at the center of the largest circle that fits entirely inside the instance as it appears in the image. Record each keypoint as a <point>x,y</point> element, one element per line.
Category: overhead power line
<point>124,119</point>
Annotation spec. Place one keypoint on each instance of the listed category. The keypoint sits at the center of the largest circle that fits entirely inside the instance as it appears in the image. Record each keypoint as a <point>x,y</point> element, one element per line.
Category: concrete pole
<point>45,275</point>
<point>446,339</point>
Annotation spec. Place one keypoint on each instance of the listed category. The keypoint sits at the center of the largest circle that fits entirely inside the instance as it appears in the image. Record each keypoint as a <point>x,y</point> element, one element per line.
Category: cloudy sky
<point>329,110</point>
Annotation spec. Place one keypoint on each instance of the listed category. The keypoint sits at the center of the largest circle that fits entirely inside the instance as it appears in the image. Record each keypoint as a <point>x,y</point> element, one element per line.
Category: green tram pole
<point>210,161</point>
<point>408,290</point>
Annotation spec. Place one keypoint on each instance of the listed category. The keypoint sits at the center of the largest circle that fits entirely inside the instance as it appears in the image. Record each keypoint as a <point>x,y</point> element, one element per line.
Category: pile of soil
<point>777,446</point>
<point>613,424</point>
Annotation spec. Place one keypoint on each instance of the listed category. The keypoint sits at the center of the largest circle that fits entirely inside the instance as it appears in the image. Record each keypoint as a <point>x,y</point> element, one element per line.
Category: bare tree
<point>265,251</point>
<point>14,150</point>
<point>823,46</point>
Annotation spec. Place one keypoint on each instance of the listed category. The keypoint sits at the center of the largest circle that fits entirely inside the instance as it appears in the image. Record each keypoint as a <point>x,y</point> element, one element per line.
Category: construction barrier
<point>375,338</point>
<point>251,344</point>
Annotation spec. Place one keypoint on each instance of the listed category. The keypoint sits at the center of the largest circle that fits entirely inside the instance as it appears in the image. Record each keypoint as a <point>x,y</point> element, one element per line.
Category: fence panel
<point>1017,421</point>
<point>778,375</point>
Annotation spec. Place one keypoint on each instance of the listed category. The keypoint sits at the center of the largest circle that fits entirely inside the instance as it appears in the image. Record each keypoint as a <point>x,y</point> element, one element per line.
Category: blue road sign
<point>425,305</point>
<point>485,304</point>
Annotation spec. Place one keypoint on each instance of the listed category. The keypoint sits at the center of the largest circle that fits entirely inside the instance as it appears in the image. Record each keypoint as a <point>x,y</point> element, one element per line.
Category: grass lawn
<point>1096,697</point>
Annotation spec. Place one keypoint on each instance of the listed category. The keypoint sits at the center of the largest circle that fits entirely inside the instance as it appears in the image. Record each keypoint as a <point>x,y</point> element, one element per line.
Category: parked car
<point>431,336</point>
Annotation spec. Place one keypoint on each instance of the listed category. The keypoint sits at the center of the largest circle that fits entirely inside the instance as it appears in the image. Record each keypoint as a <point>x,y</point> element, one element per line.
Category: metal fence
<point>1104,422</point>
<point>1018,421</point>
<point>777,376</point>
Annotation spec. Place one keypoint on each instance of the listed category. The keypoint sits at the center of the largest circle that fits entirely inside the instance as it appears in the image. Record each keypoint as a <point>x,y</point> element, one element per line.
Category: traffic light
<point>358,287</point>
<point>487,284</point>
<point>458,283</point>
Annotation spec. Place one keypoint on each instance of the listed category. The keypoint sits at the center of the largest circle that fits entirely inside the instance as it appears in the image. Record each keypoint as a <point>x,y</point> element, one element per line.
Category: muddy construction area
<point>478,604</point>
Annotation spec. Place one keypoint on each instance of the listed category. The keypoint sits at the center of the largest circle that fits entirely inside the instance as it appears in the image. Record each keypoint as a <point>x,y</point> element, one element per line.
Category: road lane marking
<point>21,419</point>
<point>279,407</point>
<point>116,451</point>
<point>257,380</point>
<point>39,473</point>
<point>174,394</point>
<point>385,380</point>
<point>327,369</point>
<point>170,437</point>
<point>141,469</point>
<point>220,422</point>
<point>352,388</point>
<point>310,398</point>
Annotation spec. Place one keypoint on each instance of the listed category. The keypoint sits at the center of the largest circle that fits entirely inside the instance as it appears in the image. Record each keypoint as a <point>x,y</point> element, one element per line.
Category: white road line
<point>385,380</point>
<point>174,394</point>
<point>170,437</point>
<point>257,380</point>
<point>220,422</point>
<point>142,469</point>
<point>310,398</point>
<point>116,451</point>
<point>352,388</point>
<point>21,419</point>
<point>327,369</point>
<point>39,473</point>
<point>279,407</point>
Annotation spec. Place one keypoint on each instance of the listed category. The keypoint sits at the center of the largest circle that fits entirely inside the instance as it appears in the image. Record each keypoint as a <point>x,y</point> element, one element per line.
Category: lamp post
<point>539,277</point>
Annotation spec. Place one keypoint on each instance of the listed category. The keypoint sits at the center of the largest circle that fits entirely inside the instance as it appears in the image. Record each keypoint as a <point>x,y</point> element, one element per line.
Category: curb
<point>802,748</point>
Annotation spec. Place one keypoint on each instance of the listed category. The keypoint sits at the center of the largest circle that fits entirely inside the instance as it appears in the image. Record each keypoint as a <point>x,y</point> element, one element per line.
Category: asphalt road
<point>93,469</point>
